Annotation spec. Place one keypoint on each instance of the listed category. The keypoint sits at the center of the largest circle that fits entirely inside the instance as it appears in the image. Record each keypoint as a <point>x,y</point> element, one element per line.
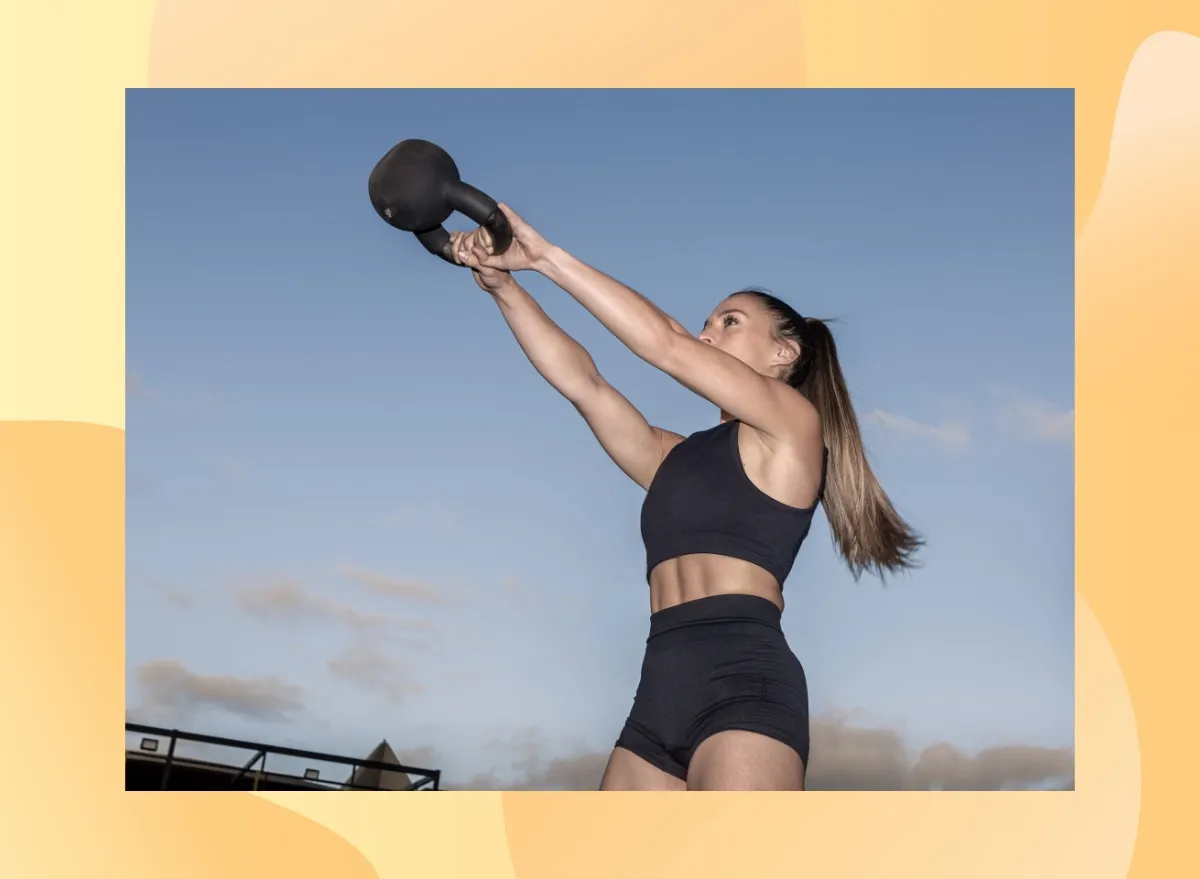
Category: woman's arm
<point>762,402</point>
<point>623,432</point>
<point>775,409</point>
<point>644,327</point>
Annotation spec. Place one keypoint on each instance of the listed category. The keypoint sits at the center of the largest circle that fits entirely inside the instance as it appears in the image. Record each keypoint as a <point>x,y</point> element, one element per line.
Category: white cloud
<point>1033,418</point>
<point>844,757</point>
<point>286,599</point>
<point>172,691</point>
<point>173,595</point>
<point>947,433</point>
<point>393,587</point>
<point>367,667</point>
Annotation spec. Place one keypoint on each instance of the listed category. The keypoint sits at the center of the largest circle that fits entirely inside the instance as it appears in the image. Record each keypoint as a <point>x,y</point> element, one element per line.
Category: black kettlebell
<point>416,187</point>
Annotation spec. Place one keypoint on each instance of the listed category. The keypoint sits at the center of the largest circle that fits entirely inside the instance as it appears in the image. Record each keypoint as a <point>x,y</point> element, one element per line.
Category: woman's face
<point>741,326</point>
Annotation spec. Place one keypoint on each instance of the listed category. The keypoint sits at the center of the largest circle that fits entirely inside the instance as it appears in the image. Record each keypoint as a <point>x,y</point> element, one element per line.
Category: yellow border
<point>1136,70</point>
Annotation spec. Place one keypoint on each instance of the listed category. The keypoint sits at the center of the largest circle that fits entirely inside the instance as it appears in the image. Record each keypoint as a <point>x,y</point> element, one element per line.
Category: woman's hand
<point>527,251</point>
<point>467,253</point>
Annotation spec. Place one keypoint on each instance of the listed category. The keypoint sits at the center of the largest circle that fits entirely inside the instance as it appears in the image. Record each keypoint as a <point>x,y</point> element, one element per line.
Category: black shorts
<point>715,664</point>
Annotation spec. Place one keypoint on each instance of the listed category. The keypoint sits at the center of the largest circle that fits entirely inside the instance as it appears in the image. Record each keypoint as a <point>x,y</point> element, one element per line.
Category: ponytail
<point>867,531</point>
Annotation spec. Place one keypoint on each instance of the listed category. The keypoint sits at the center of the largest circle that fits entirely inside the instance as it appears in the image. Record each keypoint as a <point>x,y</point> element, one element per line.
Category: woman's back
<point>725,514</point>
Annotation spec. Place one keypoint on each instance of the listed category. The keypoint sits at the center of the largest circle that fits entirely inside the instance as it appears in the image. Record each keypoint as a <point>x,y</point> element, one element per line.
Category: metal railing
<point>422,779</point>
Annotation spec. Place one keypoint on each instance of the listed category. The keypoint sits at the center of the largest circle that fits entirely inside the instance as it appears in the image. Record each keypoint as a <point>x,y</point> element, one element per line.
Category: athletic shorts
<point>715,664</point>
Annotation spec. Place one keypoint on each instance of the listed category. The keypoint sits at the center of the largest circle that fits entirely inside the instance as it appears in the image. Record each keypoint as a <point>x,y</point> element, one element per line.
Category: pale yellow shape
<point>476,43</point>
<point>64,64</point>
<point>1138,470</point>
<point>1099,839</point>
<point>416,833</point>
<point>64,68</point>
<point>1154,158</point>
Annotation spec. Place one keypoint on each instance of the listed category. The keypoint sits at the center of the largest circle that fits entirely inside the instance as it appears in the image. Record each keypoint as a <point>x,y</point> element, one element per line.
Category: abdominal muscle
<point>702,575</point>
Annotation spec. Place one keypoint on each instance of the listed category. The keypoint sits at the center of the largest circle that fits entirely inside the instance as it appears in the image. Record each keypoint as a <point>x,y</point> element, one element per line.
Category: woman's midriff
<point>692,577</point>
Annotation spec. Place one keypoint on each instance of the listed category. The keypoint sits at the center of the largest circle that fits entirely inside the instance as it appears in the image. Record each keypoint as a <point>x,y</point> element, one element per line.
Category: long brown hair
<point>867,531</point>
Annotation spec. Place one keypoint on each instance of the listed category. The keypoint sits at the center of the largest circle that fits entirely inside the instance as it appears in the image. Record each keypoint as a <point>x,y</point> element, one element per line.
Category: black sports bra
<point>702,501</point>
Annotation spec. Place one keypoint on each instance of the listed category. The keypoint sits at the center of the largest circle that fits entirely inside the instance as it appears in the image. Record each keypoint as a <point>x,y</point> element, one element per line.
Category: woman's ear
<point>787,352</point>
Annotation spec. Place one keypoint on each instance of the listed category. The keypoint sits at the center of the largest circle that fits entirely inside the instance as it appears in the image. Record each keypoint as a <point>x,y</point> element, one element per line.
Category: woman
<point>722,703</point>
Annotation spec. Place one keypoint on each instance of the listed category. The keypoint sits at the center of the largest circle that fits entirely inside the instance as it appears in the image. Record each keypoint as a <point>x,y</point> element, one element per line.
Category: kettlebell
<point>416,187</point>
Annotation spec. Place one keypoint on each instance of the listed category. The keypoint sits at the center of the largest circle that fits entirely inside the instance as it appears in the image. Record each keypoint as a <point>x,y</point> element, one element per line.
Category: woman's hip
<point>723,647</point>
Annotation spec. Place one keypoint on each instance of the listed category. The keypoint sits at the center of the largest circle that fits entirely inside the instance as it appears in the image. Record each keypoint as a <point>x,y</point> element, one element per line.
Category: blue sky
<point>356,512</point>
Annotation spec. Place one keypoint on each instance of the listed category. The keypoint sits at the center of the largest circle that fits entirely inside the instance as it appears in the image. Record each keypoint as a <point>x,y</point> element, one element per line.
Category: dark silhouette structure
<point>155,765</point>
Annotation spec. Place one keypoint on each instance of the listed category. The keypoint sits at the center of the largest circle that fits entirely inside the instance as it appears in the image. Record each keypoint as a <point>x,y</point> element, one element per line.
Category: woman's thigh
<point>627,771</point>
<point>742,760</point>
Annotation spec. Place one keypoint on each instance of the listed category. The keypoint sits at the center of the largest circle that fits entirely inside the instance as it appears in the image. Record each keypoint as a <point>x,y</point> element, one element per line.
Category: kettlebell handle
<point>477,206</point>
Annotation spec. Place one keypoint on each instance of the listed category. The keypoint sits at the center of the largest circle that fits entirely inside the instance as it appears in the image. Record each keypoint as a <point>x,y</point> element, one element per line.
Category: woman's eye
<point>729,319</point>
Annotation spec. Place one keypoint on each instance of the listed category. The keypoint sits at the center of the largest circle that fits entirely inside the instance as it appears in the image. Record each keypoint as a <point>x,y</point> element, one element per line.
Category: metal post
<point>241,772</point>
<point>166,774</point>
